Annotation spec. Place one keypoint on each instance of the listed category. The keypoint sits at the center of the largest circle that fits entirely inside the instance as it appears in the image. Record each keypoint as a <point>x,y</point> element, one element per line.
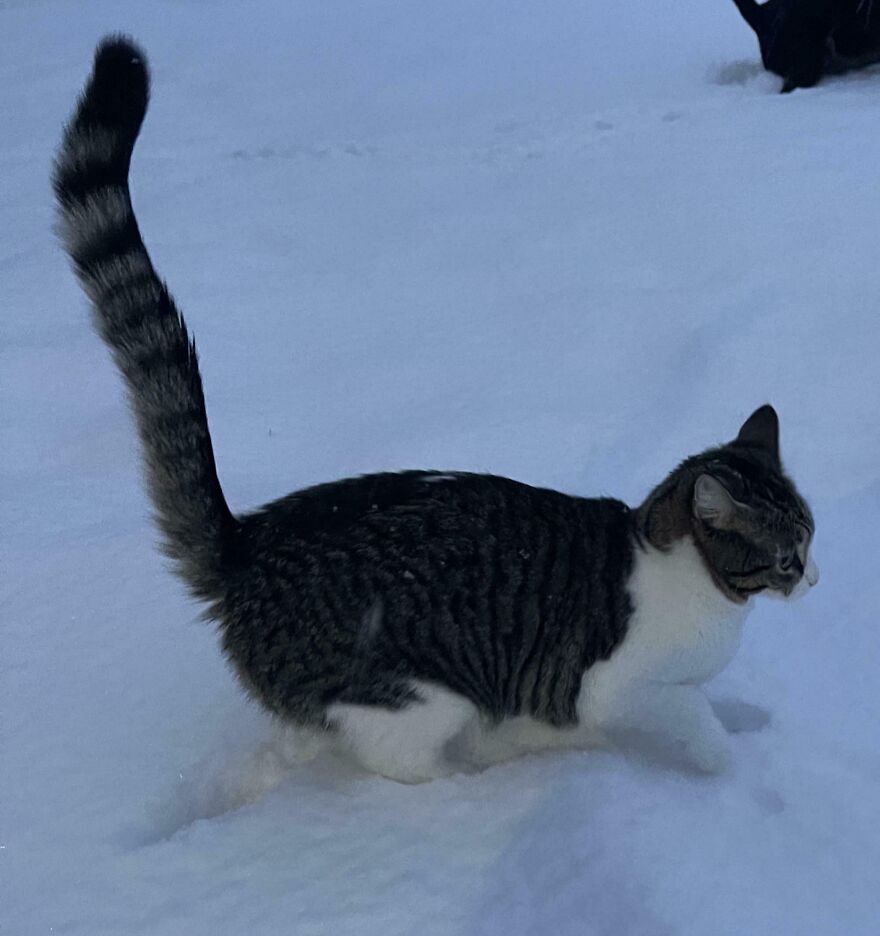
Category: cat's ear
<point>713,502</point>
<point>761,430</point>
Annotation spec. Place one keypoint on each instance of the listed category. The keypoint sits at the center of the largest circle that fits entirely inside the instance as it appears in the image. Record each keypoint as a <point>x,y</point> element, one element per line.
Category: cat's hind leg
<point>405,744</point>
<point>484,744</point>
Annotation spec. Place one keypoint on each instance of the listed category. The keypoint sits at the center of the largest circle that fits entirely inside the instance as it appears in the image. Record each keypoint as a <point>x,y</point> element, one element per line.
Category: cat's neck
<point>683,629</point>
<point>677,578</point>
<point>665,522</point>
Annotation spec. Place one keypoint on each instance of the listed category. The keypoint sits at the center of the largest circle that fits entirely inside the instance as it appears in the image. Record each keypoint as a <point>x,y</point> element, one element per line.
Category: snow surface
<point>570,243</point>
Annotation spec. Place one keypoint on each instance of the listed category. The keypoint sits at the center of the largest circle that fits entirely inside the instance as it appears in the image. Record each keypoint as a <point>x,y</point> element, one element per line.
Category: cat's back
<point>441,505</point>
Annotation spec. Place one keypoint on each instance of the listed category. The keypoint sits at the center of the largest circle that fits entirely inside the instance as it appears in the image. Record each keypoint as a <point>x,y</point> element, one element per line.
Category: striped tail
<point>136,316</point>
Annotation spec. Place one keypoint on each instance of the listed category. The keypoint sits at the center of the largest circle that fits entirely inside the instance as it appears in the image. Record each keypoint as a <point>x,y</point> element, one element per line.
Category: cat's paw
<point>710,755</point>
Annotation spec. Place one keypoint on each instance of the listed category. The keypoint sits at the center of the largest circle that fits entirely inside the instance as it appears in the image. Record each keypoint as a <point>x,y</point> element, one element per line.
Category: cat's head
<point>744,514</point>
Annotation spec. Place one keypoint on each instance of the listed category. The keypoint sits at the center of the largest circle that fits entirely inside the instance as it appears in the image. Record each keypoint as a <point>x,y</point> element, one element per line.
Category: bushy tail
<point>136,316</point>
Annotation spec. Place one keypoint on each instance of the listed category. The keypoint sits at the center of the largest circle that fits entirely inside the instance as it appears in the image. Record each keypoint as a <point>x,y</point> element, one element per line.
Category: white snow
<point>570,243</point>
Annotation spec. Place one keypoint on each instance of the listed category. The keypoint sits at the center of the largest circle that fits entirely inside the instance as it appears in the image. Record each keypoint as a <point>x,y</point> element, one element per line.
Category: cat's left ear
<point>761,430</point>
<point>713,502</point>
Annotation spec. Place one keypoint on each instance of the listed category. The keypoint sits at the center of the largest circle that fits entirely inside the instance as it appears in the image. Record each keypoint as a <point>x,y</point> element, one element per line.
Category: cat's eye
<point>785,563</point>
<point>754,570</point>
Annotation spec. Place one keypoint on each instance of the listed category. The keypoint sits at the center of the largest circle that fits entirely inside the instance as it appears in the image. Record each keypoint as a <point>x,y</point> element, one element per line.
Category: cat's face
<point>752,526</point>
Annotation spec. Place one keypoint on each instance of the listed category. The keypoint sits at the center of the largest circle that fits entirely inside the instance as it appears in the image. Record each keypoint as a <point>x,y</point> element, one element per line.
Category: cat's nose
<point>811,573</point>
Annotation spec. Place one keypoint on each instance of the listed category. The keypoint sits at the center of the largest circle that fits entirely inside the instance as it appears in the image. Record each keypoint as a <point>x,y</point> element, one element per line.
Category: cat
<point>408,616</point>
<point>803,40</point>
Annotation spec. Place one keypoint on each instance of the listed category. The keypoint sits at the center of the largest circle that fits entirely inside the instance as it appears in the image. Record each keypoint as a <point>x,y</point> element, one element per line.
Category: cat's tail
<point>136,316</point>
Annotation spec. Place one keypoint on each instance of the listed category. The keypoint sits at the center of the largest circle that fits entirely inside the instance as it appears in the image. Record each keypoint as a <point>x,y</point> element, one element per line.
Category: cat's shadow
<point>740,72</point>
<point>738,716</point>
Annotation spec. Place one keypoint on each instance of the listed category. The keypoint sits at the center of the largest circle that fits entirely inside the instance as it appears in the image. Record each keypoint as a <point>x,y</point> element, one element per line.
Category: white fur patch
<point>683,631</point>
<point>405,744</point>
<point>811,573</point>
<point>808,580</point>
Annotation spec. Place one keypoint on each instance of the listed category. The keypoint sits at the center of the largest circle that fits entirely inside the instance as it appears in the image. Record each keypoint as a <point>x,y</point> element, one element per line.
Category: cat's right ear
<point>713,503</point>
<point>761,430</point>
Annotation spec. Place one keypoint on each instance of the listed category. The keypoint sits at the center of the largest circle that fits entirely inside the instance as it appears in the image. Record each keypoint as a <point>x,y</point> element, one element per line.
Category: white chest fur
<point>683,630</point>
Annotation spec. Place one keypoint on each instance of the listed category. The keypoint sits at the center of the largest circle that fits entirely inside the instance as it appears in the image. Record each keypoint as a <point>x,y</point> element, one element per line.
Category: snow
<point>570,243</point>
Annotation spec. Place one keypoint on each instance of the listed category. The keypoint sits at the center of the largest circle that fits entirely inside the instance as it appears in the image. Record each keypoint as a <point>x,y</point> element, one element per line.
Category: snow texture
<point>567,242</point>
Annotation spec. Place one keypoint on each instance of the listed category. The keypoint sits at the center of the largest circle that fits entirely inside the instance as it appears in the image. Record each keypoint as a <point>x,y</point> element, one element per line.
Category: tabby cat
<point>410,615</point>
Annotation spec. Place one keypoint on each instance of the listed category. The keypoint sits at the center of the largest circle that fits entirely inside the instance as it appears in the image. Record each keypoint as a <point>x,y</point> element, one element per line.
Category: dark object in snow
<point>803,40</point>
<point>400,612</point>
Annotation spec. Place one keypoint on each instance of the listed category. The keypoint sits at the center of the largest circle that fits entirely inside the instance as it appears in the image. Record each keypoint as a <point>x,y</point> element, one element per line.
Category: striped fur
<point>397,610</point>
<point>136,316</point>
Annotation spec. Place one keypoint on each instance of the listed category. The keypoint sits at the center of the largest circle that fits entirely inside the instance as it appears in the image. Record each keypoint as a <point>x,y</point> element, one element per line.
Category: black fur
<point>803,40</point>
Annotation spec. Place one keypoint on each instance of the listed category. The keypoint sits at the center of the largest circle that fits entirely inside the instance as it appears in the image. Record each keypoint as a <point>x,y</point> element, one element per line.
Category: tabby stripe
<point>432,621</point>
<point>106,275</point>
<point>526,623</point>
<point>436,620</point>
<point>99,214</point>
<point>89,149</point>
<point>479,644</point>
<point>483,614</point>
<point>541,691</point>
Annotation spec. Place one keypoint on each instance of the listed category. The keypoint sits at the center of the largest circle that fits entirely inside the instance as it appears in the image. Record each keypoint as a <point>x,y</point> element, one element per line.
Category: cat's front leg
<point>686,717</point>
<point>672,721</point>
